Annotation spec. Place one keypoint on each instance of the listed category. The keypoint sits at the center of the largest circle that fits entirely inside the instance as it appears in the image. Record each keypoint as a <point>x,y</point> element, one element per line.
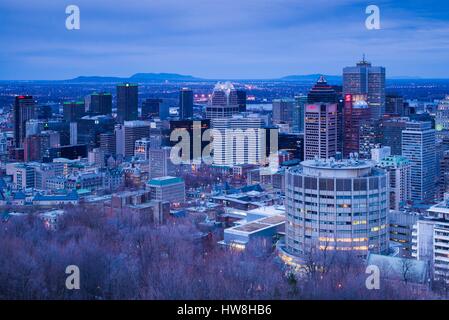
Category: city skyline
<point>171,150</point>
<point>250,40</point>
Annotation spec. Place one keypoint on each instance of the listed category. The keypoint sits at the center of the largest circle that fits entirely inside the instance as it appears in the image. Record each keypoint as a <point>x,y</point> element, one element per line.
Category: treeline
<point>129,258</point>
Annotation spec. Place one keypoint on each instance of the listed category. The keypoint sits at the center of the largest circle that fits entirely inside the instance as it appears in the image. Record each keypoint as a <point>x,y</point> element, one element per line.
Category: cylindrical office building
<point>336,205</point>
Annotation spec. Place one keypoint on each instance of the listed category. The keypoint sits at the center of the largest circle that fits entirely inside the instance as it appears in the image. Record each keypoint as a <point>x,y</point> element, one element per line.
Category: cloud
<point>234,38</point>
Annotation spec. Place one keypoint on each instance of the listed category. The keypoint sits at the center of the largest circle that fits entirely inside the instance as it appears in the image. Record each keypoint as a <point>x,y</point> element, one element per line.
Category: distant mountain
<point>97,79</point>
<point>312,78</point>
<point>174,77</point>
<point>163,77</point>
<point>138,77</point>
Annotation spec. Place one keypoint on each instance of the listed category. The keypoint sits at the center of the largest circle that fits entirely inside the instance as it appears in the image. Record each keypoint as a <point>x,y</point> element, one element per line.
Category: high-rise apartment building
<point>336,206</point>
<point>365,79</point>
<point>430,242</point>
<point>400,171</point>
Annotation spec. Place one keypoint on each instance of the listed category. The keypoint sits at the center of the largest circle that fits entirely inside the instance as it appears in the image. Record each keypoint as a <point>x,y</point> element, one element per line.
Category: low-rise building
<point>56,199</point>
<point>138,202</point>
<point>167,189</point>
<point>261,224</point>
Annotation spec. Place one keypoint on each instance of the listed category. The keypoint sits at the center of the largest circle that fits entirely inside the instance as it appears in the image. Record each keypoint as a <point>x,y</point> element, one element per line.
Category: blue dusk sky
<point>235,39</point>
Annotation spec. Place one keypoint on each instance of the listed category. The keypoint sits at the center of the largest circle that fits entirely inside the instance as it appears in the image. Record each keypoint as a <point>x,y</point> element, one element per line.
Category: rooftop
<point>335,165</point>
<point>71,196</point>
<point>257,225</point>
<point>394,161</point>
<point>163,181</point>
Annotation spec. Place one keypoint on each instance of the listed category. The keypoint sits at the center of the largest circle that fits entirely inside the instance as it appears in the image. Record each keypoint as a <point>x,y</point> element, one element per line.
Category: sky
<point>220,39</point>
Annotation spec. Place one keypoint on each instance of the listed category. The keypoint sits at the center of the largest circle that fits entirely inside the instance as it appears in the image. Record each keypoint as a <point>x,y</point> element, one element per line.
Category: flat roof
<point>251,227</point>
<point>257,225</point>
<point>163,181</point>
<point>269,210</point>
<point>335,165</point>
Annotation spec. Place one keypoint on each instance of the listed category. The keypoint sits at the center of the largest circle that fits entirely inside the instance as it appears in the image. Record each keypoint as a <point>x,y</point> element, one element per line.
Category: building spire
<point>322,79</point>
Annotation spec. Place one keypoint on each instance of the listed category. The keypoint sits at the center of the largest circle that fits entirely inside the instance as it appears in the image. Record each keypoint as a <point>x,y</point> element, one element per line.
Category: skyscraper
<point>443,183</point>
<point>394,105</point>
<point>88,129</point>
<point>151,108</point>
<point>400,180</point>
<point>371,136</point>
<point>24,110</point>
<point>442,115</point>
<point>127,102</point>
<point>298,114</point>
<point>73,111</point>
<point>128,134</point>
<point>224,102</point>
<point>241,100</point>
<point>320,122</point>
<point>185,103</point>
<point>392,134</point>
<point>356,114</point>
<point>418,145</point>
<point>365,79</point>
<point>160,162</point>
<point>108,143</point>
<point>100,103</point>
<point>196,130</point>
<point>32,148</point>
<point>239,140</point>
<point>283,110</point>
<point>322,92</point>
<point>336,206</point>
